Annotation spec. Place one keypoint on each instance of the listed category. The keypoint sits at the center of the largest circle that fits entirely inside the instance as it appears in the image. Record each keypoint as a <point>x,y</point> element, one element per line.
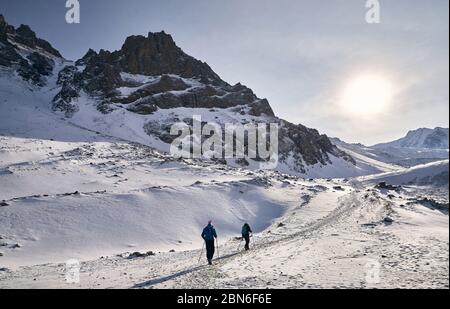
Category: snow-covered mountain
<point>367,158</point>
<point>401,152</point>
<point>430,174</point>
<point>138,92</point>
<point>425,138</point>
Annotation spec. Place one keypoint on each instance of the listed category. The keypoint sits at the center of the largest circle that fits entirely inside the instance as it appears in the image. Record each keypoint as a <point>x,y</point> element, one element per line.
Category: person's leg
<point>210,250</point>
<point>247,242</point>
<point>213,248</point>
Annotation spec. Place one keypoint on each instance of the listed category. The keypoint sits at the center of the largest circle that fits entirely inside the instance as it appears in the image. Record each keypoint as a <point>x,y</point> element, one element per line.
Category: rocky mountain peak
<point>33,63</point>
<point>87,57</point>
<point>158,54</point>
<point>3,23</point>
<point>173,79</point>
<point>25,32</point>
<point>4,29</point>
<point>157,42</point>
<point>26,36</point>
<point>150,75</point>
<point>437,138</point>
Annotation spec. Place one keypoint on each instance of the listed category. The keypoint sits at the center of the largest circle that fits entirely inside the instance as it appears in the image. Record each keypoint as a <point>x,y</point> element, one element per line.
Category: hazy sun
<point>366,95</point>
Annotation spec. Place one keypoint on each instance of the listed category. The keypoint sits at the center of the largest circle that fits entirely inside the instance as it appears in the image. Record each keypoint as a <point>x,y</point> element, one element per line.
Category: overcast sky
<point>299,54</point>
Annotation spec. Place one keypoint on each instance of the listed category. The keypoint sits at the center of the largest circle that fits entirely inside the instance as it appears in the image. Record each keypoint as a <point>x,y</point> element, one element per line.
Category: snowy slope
<point>435,174</point>
<point>325,239</point>
<point>129,196</point>
<point>74,192</point>
<point>391,156</point>
<point>84,200</point>
<point>366,159</point>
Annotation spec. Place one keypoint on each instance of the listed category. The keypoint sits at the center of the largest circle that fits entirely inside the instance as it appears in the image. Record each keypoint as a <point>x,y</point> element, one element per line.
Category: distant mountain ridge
<point>421,146</point>
<point>437,138</point>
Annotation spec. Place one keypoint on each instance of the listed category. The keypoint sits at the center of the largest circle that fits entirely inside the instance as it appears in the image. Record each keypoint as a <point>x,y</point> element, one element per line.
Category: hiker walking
<point>209,235</point>
<point>246,230</point>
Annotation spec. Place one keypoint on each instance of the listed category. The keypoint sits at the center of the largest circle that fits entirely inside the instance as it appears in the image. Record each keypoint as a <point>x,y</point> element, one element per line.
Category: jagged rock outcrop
<point>298,145</point>
<point>4,29</point>
<point>32,65</point>
<point>157,54</point>
<point>24,35</point>
<point>182,81</point>
<point>307,146</point>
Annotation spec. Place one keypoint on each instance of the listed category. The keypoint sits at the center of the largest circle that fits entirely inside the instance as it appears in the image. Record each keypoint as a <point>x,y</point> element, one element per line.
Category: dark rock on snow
<point>140,255</point>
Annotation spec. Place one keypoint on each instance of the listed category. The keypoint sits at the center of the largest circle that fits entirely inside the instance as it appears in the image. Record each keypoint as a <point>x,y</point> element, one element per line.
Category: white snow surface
<point>125,200</point>
<point>435,173</point>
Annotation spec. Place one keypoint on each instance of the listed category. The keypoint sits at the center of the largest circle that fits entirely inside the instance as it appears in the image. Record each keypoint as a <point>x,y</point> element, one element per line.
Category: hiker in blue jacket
<point>209,235</point>
<point>246,230</point>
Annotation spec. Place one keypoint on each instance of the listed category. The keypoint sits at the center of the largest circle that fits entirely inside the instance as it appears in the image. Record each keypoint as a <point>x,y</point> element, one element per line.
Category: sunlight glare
<point>366,95</point>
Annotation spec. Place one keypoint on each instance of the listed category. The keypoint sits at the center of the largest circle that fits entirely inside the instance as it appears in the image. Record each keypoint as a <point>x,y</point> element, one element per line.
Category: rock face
<point>5,29</point>
<point>157,54</point>
<point>26,36</point>
<point>179,80</point>
<point>22,51</point>
<point>307,146</point>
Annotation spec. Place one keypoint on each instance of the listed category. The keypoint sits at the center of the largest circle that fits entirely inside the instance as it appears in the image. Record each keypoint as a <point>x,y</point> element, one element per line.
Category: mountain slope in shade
<point>437,138</point>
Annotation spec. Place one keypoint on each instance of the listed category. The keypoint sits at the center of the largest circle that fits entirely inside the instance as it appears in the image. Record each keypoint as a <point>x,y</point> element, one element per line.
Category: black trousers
<point>247,241</point>
<point>210,248</point>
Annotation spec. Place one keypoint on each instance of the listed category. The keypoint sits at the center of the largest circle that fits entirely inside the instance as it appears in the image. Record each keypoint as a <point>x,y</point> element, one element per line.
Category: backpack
<point>245,230</point>
<point>209,233</point>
